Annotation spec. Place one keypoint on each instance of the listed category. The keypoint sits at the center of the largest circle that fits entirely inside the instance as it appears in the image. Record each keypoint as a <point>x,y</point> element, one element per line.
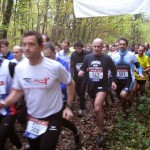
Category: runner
<point>49,52</point>
<point>21,105</point>
<point>105,50</point>
<point>18,54</point>
<point>97,65</point>
<point>39,79</point>
<point>57,48</point>
<point>147,49</point>
<point>136,47</point>
<point>8,115</point>
<point>112,49</point>
<point>139,84</point>
<point>65,53</point>
<point>147,52</point>
<point>117,46</point>
<point>4,49</point>
<point>76,62</point>
<point>88,48</point>
<point>45,38</point>
<point>123,61</point>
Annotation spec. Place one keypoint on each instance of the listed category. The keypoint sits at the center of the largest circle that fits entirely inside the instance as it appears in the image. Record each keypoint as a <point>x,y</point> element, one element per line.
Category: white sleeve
<point>113,57</point>
<point>134,58</point>
<point>63,75</point>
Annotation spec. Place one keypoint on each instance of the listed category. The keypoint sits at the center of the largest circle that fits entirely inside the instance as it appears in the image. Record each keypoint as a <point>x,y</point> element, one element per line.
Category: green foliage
<point>145,31</point>
<point>134,133</point>
<point>56,19</point>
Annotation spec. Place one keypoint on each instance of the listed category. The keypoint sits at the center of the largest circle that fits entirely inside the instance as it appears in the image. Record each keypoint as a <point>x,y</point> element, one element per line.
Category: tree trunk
<point>45,16</point>
<point>6,19</point>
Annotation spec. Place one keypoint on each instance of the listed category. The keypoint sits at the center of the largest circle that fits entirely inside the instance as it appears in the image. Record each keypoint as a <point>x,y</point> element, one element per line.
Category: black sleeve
<point>85,64</point>
<point>113,69</point>
<point>12,68</point>
<point>137,64</point>
<point>72,64</point>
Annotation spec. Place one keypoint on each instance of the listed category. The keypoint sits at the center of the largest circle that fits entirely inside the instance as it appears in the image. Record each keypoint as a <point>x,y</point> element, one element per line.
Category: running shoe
<point>80,113</point>
<point>100,140</point>
<point>77,141</point>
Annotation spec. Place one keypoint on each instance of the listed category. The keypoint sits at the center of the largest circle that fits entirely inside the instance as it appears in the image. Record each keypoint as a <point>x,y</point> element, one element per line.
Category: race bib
<point>3,111</point>
<point>96,74</point>
<point>78,66</point>
<point>35,128</point>
<point>2,85</point>
<point>122,73</point>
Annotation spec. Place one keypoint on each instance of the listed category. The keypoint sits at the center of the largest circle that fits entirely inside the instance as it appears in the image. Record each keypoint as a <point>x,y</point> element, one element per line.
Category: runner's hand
<point>113,86</point>
<point>67,113</point>
<point>81,73</point>
<point>2,104</point>
<point>141,76</point>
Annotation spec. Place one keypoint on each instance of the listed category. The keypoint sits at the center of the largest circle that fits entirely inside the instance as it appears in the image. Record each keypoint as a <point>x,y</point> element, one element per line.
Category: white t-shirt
<point>41,86</point>
<point>5,84</point>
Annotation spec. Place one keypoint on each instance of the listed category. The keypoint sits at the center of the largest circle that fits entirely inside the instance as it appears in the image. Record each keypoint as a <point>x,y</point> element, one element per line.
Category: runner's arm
<point>70,92</point>
<point>113,69</point>
<point>83,68</point>
<point>72,65</point>
<point>12,98</point>
<point>140,69</point>
<point>67,113</point>
<point>147,69</point>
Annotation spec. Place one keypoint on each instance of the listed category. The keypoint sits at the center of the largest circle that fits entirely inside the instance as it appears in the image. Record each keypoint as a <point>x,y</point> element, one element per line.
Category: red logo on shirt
<point>31,81</point>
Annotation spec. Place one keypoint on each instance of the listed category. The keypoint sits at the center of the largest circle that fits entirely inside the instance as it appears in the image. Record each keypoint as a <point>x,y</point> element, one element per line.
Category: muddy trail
<point>86,125</point>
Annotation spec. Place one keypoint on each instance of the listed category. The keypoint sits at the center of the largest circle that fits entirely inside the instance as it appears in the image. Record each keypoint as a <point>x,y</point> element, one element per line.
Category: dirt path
<point>87,127</point>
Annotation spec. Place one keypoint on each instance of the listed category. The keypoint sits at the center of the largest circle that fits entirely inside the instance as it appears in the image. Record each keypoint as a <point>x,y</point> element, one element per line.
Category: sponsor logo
<point>95,63</point>
<point>31,81</point>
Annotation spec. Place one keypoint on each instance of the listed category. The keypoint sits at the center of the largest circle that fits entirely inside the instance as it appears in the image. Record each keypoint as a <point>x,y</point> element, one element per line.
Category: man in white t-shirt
<point>39,78</point>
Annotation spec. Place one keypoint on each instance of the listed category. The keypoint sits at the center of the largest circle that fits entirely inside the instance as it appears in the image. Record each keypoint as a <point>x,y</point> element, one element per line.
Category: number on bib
<point>35,128</point>
<point>122,73</point>
<point>96,74</point>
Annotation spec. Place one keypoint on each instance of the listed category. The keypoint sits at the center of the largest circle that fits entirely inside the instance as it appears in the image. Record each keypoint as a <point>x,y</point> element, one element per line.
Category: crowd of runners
<point>40,80</point>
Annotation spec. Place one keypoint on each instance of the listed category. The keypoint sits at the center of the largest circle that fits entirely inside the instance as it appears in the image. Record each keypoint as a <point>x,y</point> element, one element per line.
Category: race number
<point>2,85</point>
<point>35,128</point>
<point>122,73</point>
<point>96,74</point>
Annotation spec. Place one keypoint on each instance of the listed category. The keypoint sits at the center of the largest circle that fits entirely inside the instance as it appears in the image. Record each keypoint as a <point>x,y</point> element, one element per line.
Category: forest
<point>56,19</point>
